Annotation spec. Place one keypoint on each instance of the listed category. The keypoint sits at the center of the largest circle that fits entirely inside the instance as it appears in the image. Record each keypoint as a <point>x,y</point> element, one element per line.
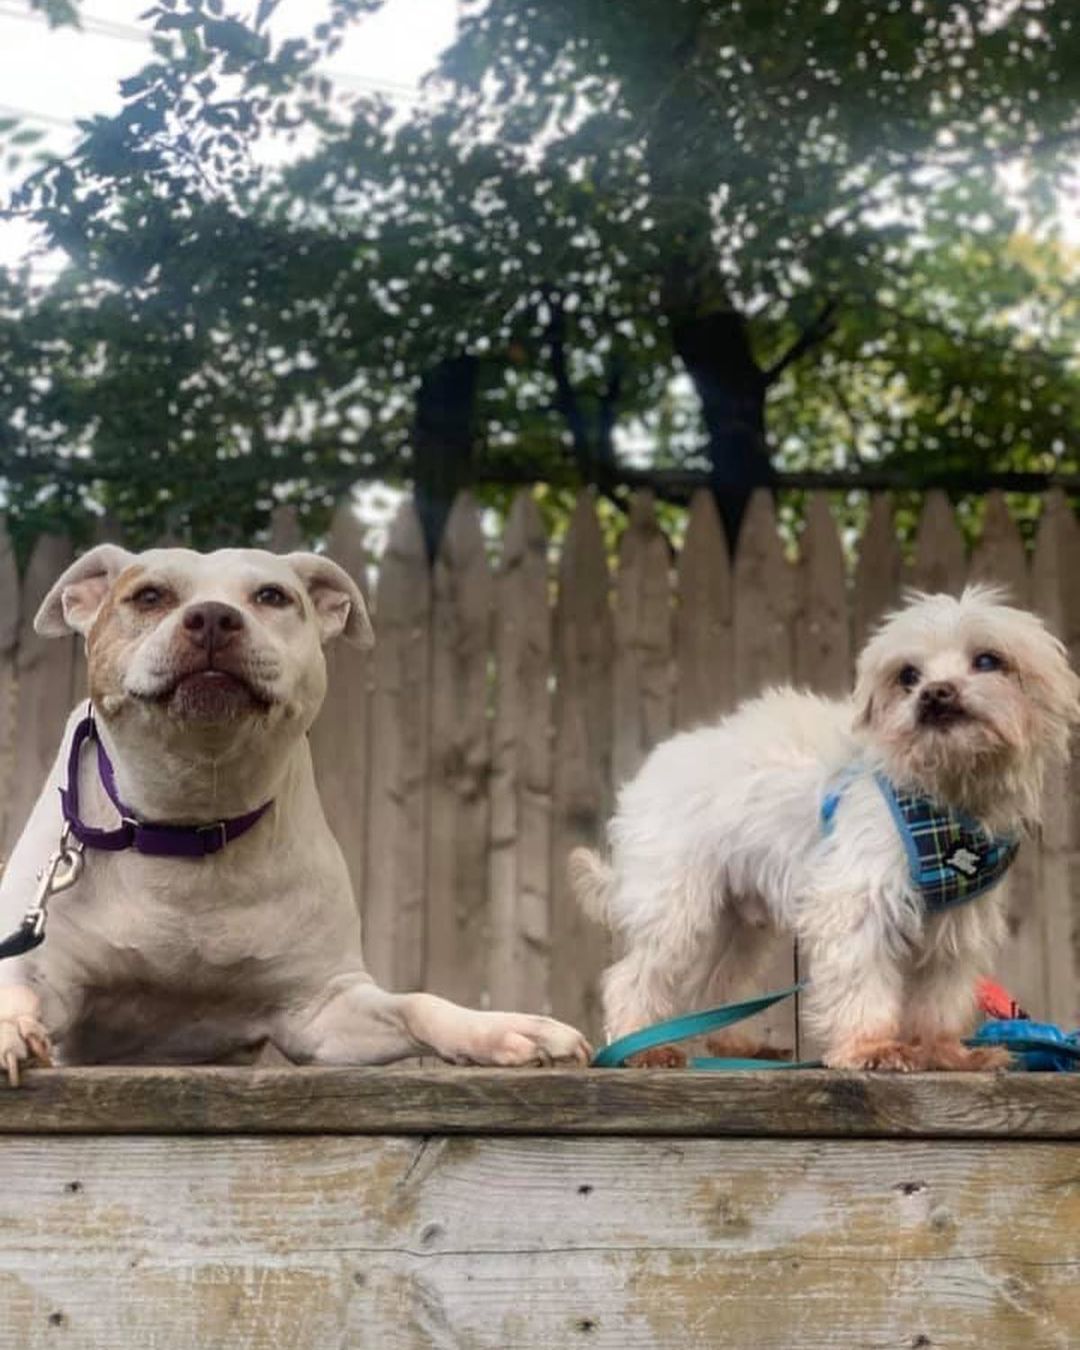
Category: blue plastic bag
<point>1037,1046</point>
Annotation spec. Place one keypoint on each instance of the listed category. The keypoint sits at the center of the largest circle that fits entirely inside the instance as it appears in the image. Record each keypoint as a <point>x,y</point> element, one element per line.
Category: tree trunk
<point>443,432</point>
<point>707,331</point>
<point>715,349</point>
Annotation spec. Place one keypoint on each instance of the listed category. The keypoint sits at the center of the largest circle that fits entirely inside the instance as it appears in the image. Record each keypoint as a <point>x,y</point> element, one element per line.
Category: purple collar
<point>163,841</point>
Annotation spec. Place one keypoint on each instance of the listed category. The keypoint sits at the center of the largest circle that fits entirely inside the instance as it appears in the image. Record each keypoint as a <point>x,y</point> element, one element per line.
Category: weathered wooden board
<point>877,572</point>
<point>285,535</point>
<point>457,937</point>
<point>341,736</point>
<point>581,785</point>
<point>412,1100</point>
<point>822,633</point>
<point>1055,567</point>
<point>44,675</point>
<point>642,675</point>
<point>396,867</point>
<point>704,645</point>
<point>520,842</point>
<point>940,562</point>
<point>397,1243</point>
<point>999,559</point>
<point>9,636</point>
<point>764,604</point>
<point>822,648</point>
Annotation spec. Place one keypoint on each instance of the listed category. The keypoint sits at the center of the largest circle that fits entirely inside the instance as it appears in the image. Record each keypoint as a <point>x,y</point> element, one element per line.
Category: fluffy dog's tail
<point>591,880</point>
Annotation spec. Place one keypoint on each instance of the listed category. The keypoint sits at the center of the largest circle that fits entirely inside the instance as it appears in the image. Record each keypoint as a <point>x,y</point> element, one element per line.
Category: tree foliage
<point>741,236</point>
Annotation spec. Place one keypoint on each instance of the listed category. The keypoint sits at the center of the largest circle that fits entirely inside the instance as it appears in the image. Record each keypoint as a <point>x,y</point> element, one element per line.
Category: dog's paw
<point>950,1054</point>
<point>23,1040</point>
<point>514,1039</point>
<point>877,1055</point>
<point>659,1057</point>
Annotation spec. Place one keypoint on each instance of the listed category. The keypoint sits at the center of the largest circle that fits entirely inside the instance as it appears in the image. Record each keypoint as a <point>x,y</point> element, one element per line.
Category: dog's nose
<point>940,694</point>
<point>212,624</point>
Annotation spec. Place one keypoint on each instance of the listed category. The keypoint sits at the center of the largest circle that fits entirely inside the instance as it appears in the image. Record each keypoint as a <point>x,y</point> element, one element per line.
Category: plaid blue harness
<point>953,859</point>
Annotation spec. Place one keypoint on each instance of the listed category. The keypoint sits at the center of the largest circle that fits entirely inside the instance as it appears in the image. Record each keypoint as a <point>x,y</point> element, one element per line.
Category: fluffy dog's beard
<point>975,755</point>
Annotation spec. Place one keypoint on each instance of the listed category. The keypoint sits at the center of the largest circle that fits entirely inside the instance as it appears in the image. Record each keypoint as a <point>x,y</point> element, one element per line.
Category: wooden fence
<point>481,739</point>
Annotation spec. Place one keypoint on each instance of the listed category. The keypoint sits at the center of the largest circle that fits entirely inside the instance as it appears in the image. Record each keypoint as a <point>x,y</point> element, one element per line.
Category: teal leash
<point>1021,1038</point>
<point>615,1054</point>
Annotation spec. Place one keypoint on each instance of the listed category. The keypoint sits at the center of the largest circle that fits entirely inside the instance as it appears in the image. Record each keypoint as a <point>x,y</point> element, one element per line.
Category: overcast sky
<point>51,77</point>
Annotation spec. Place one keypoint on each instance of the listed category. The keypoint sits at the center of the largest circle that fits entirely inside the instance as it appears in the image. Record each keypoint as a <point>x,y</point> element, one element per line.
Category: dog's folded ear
<point>339,604</point>
<point>74,601</point>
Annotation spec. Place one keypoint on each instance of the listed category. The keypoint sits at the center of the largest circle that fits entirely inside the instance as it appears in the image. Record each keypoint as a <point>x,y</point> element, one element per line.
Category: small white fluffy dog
<point>720,840</point>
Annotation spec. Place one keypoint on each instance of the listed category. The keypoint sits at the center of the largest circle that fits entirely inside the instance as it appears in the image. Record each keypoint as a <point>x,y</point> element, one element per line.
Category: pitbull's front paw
<point>464,1036</point>
<point>509,1039</point>
<point>22,1037</point>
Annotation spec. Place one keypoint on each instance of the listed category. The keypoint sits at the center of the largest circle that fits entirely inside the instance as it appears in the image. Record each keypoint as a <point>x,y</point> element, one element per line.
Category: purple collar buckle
<point>151,838</point>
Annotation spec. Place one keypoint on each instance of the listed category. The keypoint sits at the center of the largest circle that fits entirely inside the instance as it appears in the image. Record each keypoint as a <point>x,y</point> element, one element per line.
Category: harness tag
<point>963,860</point>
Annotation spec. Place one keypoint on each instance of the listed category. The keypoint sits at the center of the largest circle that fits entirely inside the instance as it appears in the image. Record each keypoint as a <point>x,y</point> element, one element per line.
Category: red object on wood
<point>995,1001</point>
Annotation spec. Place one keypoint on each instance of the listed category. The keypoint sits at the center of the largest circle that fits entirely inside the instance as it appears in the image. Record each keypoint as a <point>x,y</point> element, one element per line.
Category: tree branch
<point>609,408</point>
<point>679,485</point>
<point>596,464</point>
<point>671,485</point>
<point>981,341</point>
<point>566,400</point>
<point>820,328</point>
<point>849,203</point>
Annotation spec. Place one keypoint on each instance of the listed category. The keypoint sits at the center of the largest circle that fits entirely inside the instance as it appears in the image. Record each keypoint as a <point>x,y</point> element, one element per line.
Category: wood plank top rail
<point>439,1101</point>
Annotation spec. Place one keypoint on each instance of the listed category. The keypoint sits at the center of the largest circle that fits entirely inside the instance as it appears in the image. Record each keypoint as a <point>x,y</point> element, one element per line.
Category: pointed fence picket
<point>876,586</point>
<point>940,563</point>
<point>519,864</point>
<point>44,687</point>
<point>999,559</point>
<point>459,761</point>
<point>511,691</point>
<point>704,672</point>
<point>765,598</point>
<point>341,736</point>
<point>642,670</point>
<point>1055,565</point>
<point>581,778</point>
<point>9,638</point>
<point>823,620</point>
<point>396,836</point>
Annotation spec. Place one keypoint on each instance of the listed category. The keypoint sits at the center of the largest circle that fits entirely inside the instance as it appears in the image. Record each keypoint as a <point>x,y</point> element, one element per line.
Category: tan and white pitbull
<point>206,672</point>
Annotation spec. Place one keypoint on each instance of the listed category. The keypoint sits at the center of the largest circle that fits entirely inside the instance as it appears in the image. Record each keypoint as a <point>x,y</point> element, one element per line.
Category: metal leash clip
<point>60,872</point>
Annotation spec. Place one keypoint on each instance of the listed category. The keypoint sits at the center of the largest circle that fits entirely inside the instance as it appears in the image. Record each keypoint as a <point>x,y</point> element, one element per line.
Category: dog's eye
<point>986,661</point>
<point>148,597</point>
<point>908,676</point>
<point>273,596</point>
